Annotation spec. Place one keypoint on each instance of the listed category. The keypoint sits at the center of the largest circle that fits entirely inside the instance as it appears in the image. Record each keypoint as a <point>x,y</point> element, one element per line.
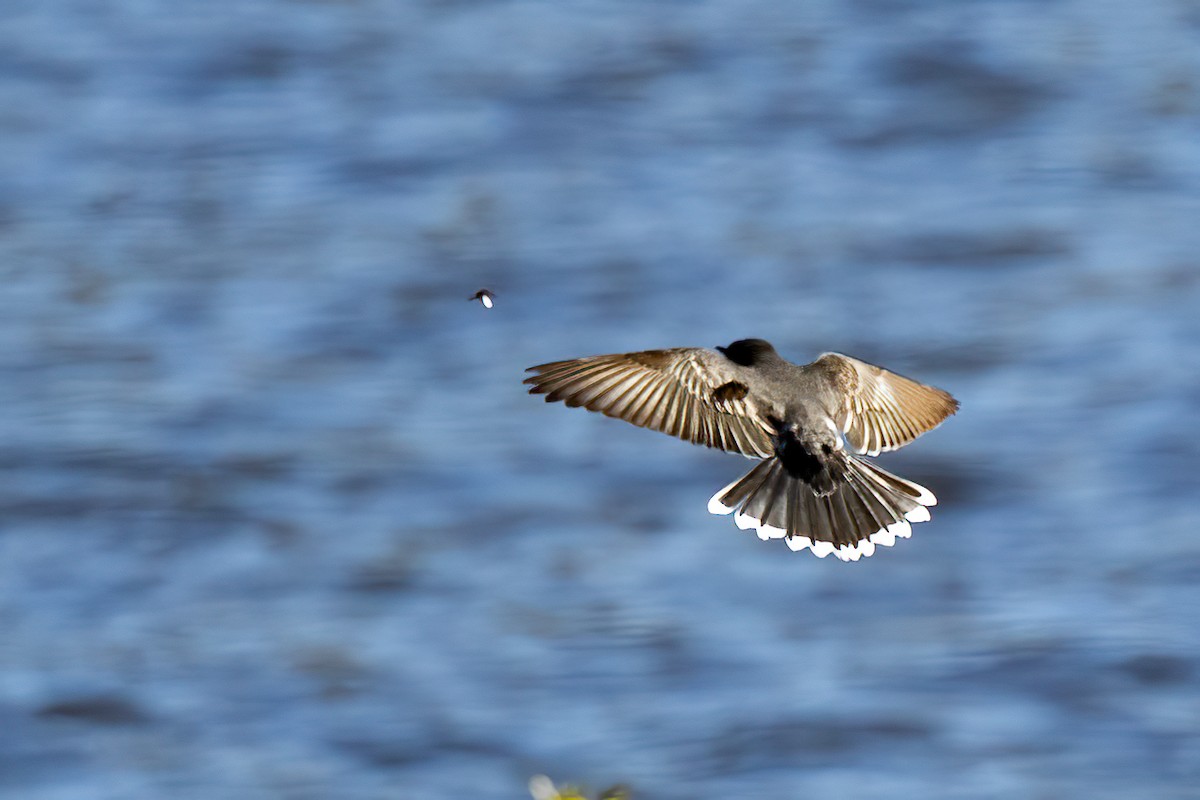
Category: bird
<point>486,297</point>
<point>812,428</point>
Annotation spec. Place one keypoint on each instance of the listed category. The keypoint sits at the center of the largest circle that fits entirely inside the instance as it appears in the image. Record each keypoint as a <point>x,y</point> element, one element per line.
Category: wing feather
<point>673,391</point>
<point>881,410</point>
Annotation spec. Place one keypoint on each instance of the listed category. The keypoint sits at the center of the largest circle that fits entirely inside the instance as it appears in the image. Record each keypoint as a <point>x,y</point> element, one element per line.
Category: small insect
<point>485,297</point>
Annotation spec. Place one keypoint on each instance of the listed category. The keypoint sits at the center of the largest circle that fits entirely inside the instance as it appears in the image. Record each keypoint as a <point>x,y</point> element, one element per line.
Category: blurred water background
<point>277,519</point>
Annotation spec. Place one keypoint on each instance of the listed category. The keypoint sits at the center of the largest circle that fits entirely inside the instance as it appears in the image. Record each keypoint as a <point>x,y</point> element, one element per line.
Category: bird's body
<point>745,398</point>
<point>486,297</point>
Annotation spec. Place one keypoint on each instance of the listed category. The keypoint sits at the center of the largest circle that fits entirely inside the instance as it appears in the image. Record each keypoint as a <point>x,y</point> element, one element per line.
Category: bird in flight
<point>486,297</point>
<point>809,488</point>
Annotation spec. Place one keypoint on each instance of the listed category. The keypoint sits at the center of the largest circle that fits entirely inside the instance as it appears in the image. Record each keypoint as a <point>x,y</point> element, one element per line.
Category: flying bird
<point>810,488</point>
<point>486,297</point>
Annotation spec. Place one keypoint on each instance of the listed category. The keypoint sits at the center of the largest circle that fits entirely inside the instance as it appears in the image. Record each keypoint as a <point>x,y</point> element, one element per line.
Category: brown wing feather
<point>673,391</point>
<point>882,410</point>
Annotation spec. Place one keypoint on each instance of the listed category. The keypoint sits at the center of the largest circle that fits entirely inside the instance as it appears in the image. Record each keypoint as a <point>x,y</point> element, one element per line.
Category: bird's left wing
<point>687,392</point>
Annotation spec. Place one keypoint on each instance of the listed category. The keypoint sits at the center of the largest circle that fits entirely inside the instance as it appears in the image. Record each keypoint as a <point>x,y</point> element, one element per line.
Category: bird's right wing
<point>880,409</point>
<point>687,392</point>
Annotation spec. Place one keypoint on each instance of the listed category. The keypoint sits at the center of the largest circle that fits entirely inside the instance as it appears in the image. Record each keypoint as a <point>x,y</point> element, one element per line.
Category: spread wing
<point>882,410</point>
<point>687,392</point>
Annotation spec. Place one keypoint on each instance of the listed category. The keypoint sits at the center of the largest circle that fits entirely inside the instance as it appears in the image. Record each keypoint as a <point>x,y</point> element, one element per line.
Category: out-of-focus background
<point>277,519</point>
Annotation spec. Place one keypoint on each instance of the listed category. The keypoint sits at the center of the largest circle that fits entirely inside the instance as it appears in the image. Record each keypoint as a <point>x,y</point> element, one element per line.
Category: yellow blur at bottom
<point>542,788</point>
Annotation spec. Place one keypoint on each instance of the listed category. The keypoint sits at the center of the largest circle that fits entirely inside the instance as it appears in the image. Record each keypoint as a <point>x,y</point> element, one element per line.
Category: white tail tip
<point>798,543</point>
<point>715,506</point>
<point>918,514</point>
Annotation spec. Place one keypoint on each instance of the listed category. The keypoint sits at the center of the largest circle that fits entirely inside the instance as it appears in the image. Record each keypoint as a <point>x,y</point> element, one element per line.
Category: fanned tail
<point>868,506</point>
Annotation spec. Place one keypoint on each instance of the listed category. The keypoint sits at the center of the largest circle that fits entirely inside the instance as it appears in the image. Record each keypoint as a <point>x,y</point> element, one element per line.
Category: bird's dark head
<point>748,352</point>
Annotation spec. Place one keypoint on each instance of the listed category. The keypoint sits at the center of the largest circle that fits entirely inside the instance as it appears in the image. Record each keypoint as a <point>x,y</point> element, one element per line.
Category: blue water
<point>277,519</point>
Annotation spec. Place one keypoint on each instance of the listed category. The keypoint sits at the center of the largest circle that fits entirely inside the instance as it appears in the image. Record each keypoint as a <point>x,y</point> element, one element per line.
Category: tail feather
<point>767,507</point>
<point>849,522</point>
<point>732,496</point>
<point>844,523</point>
<point>794,516</point>
<point>867,507</point>
<point>864,515</point>
<point>885,514</point>
<point>888,507</point>
<point>897,485</point>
